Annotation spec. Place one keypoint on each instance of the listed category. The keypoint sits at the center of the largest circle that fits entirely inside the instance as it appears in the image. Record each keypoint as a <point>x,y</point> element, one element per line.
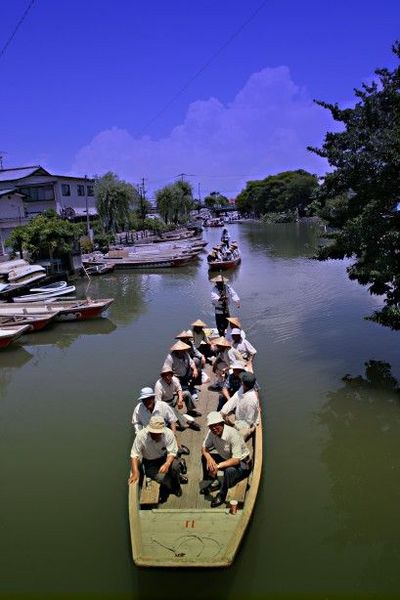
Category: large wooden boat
<point>10,334</point>
<point>64,310</point>
<point>185,532</point>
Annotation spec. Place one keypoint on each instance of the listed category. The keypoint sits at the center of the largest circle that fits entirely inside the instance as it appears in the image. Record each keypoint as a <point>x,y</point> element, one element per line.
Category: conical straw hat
<point>234,321</point>
<point>199,323</point>
<point>180,346</point>
<point>221,341</point>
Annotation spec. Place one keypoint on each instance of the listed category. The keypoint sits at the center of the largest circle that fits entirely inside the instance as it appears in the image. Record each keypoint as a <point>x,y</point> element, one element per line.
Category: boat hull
<point>223,265</point>
<point>192,537</point>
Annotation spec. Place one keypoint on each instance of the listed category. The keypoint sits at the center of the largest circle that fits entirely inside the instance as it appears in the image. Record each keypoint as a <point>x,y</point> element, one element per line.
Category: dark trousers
<point>170,480</point>
<point>221,321</point>
<point>232,475</point>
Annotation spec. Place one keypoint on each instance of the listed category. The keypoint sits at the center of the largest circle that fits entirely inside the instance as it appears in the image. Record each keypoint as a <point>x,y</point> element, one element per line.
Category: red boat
<point>9,334</point>
<point>35,322</point>
<point>62,310</point>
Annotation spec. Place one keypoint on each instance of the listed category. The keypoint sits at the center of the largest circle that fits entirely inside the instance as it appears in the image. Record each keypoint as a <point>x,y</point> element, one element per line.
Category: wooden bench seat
<point>150,492</point>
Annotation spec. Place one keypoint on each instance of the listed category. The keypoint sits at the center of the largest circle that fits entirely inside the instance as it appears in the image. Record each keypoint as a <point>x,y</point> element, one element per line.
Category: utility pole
<point>89,233</point>
<point>2,153</point>
<point>182,175</point>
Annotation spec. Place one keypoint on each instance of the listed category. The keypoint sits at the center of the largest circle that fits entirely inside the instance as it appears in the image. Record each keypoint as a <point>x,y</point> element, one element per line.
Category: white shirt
<point>141,415</point>
<point>246,349</point>
<point>231,297</point>
<point>229,445</point>
<point>245,405</point>
<point>144,446</point>
<point>180,366</point>
<point>166,391</point>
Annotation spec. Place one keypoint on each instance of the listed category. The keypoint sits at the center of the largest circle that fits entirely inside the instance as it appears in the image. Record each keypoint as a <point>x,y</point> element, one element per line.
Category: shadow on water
<point>362,457</point>
<point>62,335</point>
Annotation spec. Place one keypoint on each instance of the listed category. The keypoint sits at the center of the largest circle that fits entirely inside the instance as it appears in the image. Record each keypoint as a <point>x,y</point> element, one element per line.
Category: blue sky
<point>83,83</point>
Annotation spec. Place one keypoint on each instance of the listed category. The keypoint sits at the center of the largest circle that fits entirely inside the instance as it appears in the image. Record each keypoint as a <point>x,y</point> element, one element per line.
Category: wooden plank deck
<point>191,498</point>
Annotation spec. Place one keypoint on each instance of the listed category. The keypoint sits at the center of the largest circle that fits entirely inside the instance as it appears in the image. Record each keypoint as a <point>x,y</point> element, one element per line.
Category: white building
<point>29,191</point>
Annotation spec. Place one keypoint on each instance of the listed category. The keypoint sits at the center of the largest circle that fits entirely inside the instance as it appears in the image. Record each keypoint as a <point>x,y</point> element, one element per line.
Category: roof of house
<point>21,172</point>
<point>13,190</point>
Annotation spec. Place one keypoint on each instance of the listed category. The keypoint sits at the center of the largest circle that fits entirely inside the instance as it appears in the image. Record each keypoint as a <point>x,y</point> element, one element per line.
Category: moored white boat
<point>43,296</point>
<point>26,274</point>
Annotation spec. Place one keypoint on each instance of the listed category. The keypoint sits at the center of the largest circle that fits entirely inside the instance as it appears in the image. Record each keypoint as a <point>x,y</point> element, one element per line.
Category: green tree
<point>46,235</point>
<point>286,191</point>
<point>114,199</point>
<point>215,200</point>
<point>361,194</point>
<point>175,202</point>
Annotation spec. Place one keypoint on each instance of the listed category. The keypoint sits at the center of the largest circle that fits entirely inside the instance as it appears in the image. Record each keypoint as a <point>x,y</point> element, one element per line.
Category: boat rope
<point>177,554</point>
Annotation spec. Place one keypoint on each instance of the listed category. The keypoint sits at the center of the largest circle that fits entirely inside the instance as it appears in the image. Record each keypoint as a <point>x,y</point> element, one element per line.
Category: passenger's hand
<point>164,468</point>
<point>133,478</point>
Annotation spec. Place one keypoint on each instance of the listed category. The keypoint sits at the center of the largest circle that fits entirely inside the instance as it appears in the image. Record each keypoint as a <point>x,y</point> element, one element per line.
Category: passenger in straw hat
<point>222,362</point>
<point>222,294</point>
<point>155,448</point>
<point>184,367</point>
<point>223,450</point>
<point>168,389</point>
<point>200,339</point>
<point>232,323</point>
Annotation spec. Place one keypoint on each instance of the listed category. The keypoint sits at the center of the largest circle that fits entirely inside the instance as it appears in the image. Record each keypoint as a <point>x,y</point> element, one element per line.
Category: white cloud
<point>264,130</point>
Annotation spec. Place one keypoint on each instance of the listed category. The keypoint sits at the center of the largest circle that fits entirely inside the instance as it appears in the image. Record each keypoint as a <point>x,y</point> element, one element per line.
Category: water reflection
<point>286,240</point>
<point>362,457</point>
<point>12,358</point>
<point>64,334</point>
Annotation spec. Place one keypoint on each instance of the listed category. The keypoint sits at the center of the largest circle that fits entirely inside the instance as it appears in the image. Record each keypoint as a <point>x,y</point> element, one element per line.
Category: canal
<point>326,522</point>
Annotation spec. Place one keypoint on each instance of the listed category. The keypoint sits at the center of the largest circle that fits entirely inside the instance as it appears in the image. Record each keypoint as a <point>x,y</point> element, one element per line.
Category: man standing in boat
<point>224,450</point>
<point>221,295</point>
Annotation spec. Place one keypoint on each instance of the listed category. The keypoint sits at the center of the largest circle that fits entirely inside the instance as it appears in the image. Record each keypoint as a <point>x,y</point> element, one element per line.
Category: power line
<point>18,25</point>
<point>202,68</point>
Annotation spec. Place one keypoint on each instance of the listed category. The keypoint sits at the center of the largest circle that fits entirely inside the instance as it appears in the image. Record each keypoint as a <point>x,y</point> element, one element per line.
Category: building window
<point>90,190</point>
<point>81,189</point>
<point>44,192</point>
<point>65,189</point>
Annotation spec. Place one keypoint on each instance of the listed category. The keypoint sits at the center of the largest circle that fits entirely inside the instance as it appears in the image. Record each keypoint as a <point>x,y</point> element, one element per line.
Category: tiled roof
<point>10,191</point>
<point>19,173</point>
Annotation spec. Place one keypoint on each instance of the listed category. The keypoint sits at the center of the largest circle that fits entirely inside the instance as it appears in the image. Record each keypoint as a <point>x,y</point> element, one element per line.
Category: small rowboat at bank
<point>99,269</point>
<point>64,310</point>
<point>184,531</point>
<point>51,287</point>
<point>26,274</point>
<point>10,334</point>
<point>35,322</point>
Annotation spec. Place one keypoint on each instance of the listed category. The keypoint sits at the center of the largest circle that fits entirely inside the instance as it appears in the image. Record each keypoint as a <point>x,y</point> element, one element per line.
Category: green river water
<point>326,523</point>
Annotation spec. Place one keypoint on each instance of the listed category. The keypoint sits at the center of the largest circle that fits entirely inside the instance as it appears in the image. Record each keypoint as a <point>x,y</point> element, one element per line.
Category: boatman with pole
<point>221,295</point>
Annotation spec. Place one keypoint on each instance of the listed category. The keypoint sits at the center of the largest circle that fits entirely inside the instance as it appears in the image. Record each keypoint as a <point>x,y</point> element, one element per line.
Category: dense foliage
<point>46,235</point>
<point>114,200</point>
<point>215,200</point>
<point>175,202</point>
<point>360,196</point>
<point>286,191</point>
